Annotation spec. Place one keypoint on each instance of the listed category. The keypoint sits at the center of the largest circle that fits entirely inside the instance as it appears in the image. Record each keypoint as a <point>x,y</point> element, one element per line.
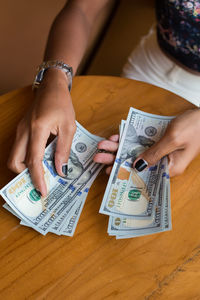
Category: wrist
<point>55,76</point>
<point>53,80</point>
<point>58,66</point>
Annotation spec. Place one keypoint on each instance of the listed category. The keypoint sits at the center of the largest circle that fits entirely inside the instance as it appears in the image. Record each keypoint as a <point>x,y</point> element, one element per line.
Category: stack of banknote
<point>59,212</point>
<point>138,203</point>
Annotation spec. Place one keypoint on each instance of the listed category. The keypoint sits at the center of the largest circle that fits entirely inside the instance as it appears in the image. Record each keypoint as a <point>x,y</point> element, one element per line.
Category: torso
<point>178,31</point>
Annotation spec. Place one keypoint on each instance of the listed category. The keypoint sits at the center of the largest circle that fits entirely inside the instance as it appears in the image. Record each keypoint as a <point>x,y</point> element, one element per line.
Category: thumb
<point>152,155</point>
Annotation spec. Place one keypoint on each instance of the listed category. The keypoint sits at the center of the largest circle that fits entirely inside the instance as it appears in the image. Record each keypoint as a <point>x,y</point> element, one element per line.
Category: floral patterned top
<point>178,30</point>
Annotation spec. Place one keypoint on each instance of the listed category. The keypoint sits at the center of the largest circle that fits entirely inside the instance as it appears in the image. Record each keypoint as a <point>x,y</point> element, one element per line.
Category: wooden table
<point>92,265</point>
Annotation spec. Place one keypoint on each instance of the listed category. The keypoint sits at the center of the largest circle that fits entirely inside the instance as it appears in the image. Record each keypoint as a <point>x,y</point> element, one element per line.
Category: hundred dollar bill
<point>128,228</point>
<point>70,226</point>
<point>63,221</point>
<point>72,223</point>
<point>129,193</point>
<point>65,205</point>
<point>35,210</point>
<point>166,226</point>
<point>163,219</point>
<point>8,208</point>
<point>167,215</point>
<point>64,215</point>
<point>79,202</point>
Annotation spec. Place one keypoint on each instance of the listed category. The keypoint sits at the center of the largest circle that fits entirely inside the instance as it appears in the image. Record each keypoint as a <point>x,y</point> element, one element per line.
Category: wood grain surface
<point>92,265</point>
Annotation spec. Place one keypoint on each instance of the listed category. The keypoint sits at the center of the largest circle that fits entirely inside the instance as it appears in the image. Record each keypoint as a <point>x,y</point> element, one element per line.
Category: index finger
<point>35,154</point>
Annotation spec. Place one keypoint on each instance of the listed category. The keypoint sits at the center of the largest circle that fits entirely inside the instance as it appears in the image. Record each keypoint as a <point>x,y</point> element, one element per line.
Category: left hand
<point>181,142</point>
<point>110,145</point>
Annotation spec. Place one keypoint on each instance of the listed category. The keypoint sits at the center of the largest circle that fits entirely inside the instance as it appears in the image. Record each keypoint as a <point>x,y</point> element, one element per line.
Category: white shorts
<point>149,64</point>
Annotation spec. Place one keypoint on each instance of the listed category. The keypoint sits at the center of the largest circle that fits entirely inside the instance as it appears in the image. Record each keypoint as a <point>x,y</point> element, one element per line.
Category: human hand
<point>181,142</point>
<point>51,113</point>
<point>110,145</point>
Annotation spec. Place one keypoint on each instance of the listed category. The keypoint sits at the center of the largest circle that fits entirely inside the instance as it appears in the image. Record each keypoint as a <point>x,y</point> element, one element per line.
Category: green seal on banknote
<point>134,195</point>
<point>34,195</point>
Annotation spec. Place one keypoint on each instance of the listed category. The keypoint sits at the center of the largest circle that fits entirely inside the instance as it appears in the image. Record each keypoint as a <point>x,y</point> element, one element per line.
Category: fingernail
<point>101,151</point>
<point>104,151</point>
<point>141,165</point>
<point>38,192</point>
<point>65,169</point>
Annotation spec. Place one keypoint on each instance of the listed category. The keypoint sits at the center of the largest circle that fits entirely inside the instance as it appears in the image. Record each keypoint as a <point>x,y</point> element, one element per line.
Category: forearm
<point>69,34</point>
<point>52,111</point>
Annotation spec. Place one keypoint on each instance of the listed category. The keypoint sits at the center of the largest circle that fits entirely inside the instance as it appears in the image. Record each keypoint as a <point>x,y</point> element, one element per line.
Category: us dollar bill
<point>8,208</point>
<point>161,218</point>
<point>59,225</point>
<point>166,224</point>
<point>69,227</point>
<point>39,212</point>
<point>65,205</point>
<point>129,193</point>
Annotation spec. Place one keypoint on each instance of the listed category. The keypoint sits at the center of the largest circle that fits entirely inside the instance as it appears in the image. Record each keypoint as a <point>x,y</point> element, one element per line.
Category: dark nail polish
<point>101,151</point>
<point>65,169</point>
<point>141,165</point>
<point>38,192</point>
<point>104,151</point>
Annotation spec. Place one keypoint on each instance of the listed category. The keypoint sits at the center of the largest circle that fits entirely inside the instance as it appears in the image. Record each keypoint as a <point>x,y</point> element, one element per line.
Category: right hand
<point>52,112</point>
<point>111,145</point>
